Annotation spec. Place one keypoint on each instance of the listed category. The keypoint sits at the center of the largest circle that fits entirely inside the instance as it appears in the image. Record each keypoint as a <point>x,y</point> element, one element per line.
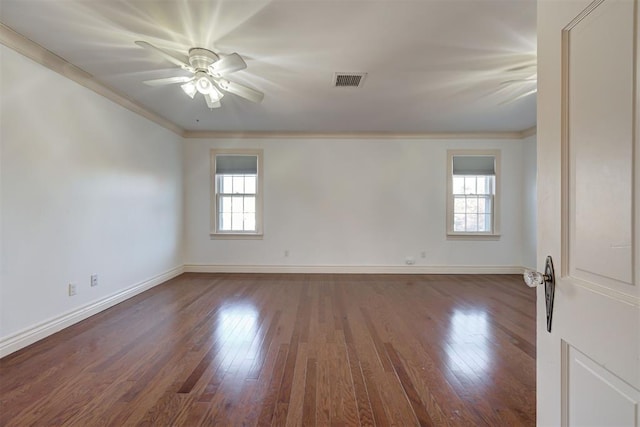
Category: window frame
<point>214,232</point>
<point>495,229</point>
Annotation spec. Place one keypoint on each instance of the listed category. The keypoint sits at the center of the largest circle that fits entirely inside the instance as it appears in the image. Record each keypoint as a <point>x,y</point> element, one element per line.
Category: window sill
<point>235,236</point>
<point>472,236</point>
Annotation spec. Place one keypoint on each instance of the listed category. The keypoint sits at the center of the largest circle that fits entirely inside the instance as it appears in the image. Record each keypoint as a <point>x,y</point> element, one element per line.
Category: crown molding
<point>529,132</point>
<point>354,135</point>
<point>39,54</point>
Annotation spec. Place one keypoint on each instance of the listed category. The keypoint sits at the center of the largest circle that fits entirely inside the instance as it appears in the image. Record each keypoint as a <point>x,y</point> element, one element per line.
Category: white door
<point>588,367</point>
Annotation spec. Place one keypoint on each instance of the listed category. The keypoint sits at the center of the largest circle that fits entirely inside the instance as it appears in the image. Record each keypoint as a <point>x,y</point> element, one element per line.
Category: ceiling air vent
<point>348,79</point>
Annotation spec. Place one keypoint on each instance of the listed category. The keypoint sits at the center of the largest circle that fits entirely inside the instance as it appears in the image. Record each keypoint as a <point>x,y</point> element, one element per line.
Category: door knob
<point>548,279</point>
<point>533,278</point>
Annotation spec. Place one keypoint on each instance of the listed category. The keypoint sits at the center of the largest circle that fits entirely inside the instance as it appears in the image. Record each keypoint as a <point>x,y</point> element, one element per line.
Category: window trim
<point>462,235</point>
<point>213,196</point>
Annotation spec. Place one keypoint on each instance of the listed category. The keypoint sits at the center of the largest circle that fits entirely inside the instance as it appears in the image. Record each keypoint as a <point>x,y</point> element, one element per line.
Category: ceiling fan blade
<point>212,103</point>
<point>179,61</point>
<point>240,90</point>
<point>228,64</point>
<point>168,81</point>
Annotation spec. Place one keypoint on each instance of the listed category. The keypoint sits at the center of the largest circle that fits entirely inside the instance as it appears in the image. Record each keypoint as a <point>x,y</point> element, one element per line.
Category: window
<point>473,183</point>
<point>237,193</point>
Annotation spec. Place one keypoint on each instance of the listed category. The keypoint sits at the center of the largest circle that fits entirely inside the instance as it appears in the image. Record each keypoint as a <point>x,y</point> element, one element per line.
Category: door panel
<point>598,397</point>
<point>600,49</point>
<point>588,367</point>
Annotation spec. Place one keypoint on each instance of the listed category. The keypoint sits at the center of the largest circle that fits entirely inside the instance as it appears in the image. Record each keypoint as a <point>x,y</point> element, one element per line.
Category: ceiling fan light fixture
<point>203,84</point>
<point>212,100</point>
<point>190,89</point>
<point>215,94</point>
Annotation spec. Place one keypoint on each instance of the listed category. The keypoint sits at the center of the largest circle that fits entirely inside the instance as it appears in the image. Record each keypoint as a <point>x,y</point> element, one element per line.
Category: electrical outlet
<point>286,252</point>
<point>72,289</point>
<point>94,280</point>
<point>423,254</point>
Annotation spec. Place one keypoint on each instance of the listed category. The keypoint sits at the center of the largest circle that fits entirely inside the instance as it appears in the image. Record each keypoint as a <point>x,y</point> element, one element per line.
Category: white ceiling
<point>433,66</point>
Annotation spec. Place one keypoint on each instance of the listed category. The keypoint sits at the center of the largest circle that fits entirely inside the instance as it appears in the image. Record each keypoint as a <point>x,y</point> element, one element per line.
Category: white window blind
<point>474,165</point>
<point>236,164</point>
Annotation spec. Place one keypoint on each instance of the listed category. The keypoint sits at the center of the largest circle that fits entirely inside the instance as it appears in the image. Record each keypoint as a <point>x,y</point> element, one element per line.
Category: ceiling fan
<point>208,74</point>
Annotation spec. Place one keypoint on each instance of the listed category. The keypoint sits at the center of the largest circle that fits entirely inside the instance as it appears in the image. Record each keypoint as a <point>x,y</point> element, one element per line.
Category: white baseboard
<point>354,269</point>
<point>28,336</point>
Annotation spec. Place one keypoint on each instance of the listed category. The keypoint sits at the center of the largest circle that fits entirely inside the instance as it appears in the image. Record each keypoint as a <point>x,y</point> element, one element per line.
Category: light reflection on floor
<point>469,350</point>
<point>237,327</point>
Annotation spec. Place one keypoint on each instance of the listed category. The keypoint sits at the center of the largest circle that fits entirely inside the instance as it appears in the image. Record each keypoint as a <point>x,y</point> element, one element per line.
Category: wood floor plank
<point>423,417</point>
<point>377,342</point>
<point>309,405</point>
<point>365,414</point>
<point>324,386</point>
<point>289,349</point>
<point>271,399</point>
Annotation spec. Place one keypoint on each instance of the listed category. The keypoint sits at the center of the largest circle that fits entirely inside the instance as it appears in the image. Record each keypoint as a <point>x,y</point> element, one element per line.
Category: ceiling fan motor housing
<point>200,58</point>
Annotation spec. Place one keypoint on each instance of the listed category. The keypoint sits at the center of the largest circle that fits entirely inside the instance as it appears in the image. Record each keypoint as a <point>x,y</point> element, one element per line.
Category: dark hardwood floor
<point>219,349</point>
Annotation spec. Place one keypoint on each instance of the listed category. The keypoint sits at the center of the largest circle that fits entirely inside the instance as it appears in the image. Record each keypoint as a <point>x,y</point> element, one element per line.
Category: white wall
<point>352,203</point>
<point>529,191</point>
<point>87,187</point>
